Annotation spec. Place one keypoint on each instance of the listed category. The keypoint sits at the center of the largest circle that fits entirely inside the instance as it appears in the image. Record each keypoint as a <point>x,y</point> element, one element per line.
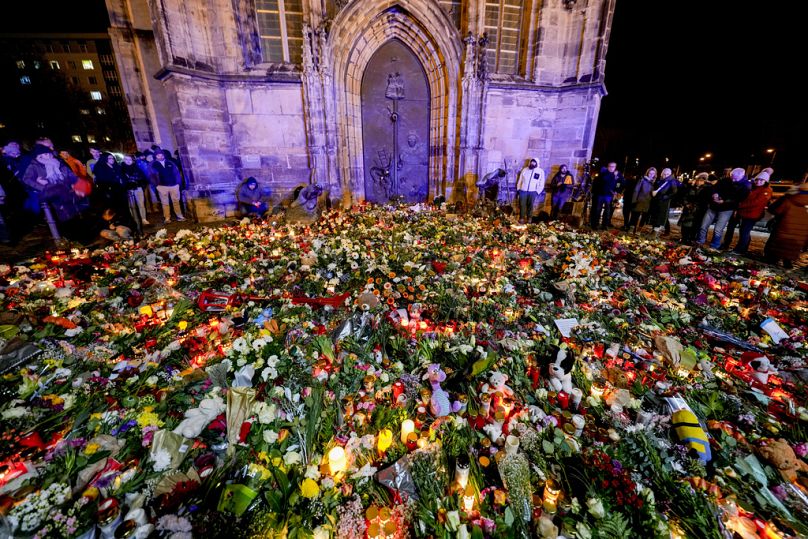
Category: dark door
<point>395,125</point>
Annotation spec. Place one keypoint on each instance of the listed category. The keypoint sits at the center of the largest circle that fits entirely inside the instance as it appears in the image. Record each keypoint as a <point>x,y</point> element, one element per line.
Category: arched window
<point>280,25</point>
<point>503,24</point>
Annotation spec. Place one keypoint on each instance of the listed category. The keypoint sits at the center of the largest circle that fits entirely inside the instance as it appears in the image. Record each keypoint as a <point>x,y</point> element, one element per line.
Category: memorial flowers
<point>387,373</point>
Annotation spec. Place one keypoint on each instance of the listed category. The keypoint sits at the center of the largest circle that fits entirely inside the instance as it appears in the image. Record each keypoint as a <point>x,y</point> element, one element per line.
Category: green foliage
<point>614,526</point>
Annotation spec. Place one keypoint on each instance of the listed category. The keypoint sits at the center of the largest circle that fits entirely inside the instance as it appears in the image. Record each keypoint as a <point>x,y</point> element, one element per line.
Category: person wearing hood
<point>249,198</point>
<point>135,182</point>
<point>562,184</point>
<point>52,181</point>
<point>604,187</point>
<point>529,187</point>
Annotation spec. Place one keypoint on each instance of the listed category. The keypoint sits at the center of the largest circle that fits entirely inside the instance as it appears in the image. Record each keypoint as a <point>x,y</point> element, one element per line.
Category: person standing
<point>96,155</point>
<point>529,187</point>
<point>604,187</point>
<point>664,190</point>
<point>751,210</point>
<point>562,184</point>
<point>790,236</point>
<point>638,200</point>
<point>135,182</point>
<point>735,220</point>
<point>168,185</point>
<point>729,192</point>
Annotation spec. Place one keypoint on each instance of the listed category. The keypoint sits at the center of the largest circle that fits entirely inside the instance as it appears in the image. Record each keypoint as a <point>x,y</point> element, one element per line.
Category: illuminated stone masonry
<point>274,89</point>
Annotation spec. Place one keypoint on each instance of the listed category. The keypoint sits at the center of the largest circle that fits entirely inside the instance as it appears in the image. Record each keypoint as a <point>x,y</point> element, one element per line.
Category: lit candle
<point>336,460</point>
<point>468,499</point>
<point>551,492</point>
<point>597,392</point>
<point>407,427</point>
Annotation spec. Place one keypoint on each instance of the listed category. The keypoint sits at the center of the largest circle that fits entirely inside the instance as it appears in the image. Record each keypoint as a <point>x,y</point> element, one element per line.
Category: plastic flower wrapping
<point>396,373</point>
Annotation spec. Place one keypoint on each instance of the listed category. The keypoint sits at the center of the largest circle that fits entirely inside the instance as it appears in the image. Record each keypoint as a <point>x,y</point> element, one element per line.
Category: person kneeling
<point>114,229</point>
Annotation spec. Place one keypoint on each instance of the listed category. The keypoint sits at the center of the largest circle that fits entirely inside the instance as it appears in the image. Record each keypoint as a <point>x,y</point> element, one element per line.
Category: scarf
<point>52,171</point>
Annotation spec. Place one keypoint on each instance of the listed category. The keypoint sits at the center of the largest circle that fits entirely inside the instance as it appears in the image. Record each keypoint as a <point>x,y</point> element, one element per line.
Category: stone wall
<point>195,74</point>
<point>556,126</point>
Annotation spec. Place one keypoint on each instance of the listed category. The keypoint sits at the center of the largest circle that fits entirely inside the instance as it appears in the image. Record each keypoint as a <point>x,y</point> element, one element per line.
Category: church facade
<point>376,98</point>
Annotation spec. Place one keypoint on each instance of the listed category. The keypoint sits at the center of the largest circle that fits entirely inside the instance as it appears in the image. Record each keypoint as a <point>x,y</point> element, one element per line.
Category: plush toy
<point>782,457</point>
<point>761,366</point>
<point>439,403</point>
<point>688,429</point>
<point>196,419</point>
<point>559,369</point>
<point>497,383</point>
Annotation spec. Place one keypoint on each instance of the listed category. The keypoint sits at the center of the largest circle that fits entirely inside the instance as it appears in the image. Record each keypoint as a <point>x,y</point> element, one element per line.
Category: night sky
<point>683,78</point>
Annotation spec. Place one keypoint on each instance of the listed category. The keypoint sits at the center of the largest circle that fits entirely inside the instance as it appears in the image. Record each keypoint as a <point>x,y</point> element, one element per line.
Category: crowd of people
<point>102,199</point>
<point>723,204</point>
<point>107,198</point>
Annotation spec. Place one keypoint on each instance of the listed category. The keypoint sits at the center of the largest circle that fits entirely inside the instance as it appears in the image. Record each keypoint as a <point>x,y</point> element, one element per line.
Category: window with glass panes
<point>280,25</point>
<point>503,24</point>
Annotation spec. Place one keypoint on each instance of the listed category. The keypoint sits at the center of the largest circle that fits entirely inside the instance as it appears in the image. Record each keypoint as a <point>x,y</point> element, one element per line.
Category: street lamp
<point>708,155</point>
<point>773,152</point>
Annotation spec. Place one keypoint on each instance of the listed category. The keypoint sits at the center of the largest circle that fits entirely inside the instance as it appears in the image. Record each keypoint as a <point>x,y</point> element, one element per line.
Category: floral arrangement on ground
<point>401,372</point>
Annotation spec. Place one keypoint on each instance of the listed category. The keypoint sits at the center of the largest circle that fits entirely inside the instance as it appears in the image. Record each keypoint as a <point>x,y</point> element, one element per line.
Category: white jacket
<point>531,180</point>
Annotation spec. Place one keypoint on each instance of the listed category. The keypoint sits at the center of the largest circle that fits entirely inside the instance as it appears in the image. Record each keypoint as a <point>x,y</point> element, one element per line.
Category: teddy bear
<point>559,369</point>
<point>497,383</point>
<point>782,457</point>
<point>761,366</point>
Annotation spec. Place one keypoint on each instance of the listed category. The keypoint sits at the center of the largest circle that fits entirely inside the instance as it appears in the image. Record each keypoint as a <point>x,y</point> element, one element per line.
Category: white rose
<point>595,507</point>
<point>291,458</point>
<point>270,436</point>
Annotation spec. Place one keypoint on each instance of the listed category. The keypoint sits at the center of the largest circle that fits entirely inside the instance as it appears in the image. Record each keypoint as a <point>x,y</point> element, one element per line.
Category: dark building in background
<point>66,87</point>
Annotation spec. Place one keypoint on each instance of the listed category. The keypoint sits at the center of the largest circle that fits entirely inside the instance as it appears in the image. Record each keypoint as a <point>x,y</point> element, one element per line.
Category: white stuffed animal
<point>497,383</point>
<point>196,419</point>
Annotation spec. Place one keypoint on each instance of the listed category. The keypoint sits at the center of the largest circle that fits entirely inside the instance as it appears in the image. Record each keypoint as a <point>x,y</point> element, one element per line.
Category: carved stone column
<point>472,109</point>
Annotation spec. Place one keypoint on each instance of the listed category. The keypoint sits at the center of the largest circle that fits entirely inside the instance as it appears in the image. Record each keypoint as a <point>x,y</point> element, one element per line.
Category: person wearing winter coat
<point>52,181</point>
<point>752,209</point>
<point>638,200</point>
<point>697,197</point>
<point>562,184</point>
<point>249,198</point>
<point>664,189</point>
<point>110,188</point>
<point>168,184</point>
<point>135,182</point>
<point>728,194</point>
<point>604,187</point>
<point>529,187</point>
<point>790,236</point>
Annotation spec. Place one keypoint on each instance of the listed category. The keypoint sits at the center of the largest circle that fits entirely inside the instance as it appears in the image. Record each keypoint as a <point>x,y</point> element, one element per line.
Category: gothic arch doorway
<point>395,104</point>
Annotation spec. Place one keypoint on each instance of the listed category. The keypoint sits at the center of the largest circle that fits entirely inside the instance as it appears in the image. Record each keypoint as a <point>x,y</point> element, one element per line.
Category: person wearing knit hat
<point>735,220</point>
<point>52,180</point>
<point>752,209</point>
<point>729,192</point>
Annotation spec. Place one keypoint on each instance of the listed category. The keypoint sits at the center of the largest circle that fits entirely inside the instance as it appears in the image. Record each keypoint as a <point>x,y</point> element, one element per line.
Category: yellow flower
<point>91,448</point>
<point>148,418</point>
<point>309,488</point>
